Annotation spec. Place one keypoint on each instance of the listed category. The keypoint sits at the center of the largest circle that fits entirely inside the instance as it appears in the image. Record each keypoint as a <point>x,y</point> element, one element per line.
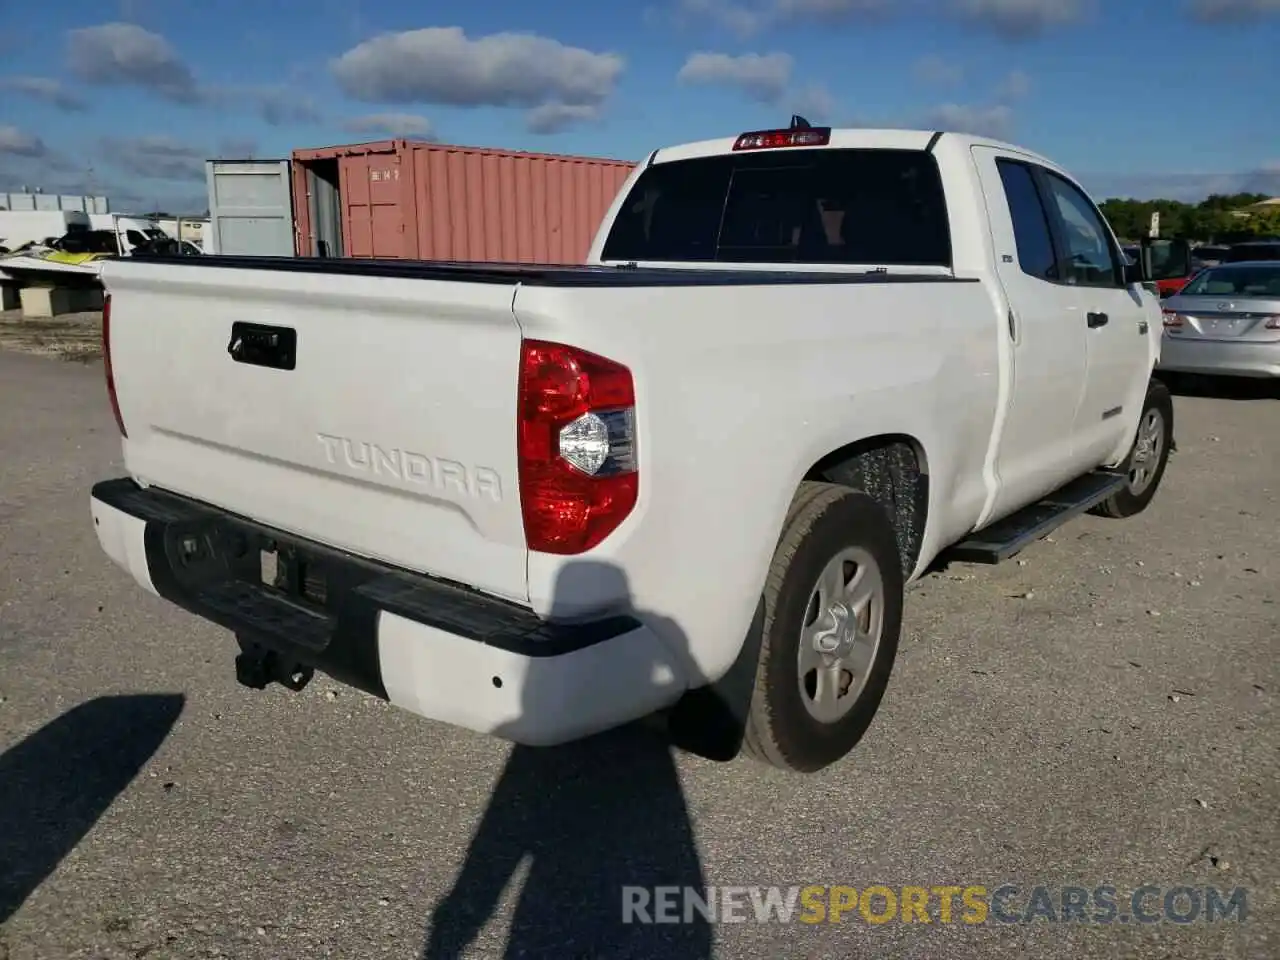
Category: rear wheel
<point>1147,460</point>
<point>833,614</point>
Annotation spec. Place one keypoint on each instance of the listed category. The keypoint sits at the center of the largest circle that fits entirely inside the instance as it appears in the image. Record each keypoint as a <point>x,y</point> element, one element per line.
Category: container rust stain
<point>400,199</point>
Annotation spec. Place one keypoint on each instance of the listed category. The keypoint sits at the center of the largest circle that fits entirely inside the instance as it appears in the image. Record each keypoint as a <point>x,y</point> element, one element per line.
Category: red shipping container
<point>428,201</point>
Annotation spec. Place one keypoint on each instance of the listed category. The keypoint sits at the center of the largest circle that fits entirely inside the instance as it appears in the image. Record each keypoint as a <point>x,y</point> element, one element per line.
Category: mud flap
<point>711,721</point>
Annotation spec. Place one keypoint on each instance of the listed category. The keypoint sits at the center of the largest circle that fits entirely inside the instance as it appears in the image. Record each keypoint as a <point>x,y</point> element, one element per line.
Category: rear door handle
<point>1096,320</point>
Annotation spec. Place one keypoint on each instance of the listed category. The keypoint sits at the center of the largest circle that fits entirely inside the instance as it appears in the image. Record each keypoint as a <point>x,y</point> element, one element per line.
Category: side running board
<point>1010,536</point>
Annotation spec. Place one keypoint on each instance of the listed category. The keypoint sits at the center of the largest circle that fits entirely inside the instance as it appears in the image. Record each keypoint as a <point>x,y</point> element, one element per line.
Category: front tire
<point>833,615</point>
<point>1146,462</point>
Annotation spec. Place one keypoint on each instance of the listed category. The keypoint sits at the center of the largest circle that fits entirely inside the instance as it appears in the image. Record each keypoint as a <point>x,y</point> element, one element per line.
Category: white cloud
<point>238,147</point>
<point>281,107</point>
<point>1015,86</point>
<point>1187,187</point>
<point>762,77</point>
<point>125,54</point>
<point>740,20</point>
<point>441,65</point>
<point>746,18</point>
<point>1231,11</point>
<point>815,103</point>
<point>555,117</point>
<point>46,89</point>
<point>935,70</point>
<point>16,143</point>
<point>995,120</point>
<point>156,157</point>
<point>1014,19</point>
<point>408,125</point>
<point>830,9</point>
<point>1023,19</point>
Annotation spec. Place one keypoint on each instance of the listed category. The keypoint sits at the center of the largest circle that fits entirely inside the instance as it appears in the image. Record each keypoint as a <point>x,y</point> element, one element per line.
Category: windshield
<point>827,206</point>
<point>155,234</point>
<point>1261,281</point>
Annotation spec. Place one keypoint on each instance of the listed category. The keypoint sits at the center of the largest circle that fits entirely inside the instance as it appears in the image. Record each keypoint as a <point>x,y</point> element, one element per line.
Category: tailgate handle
<point>260,345</point>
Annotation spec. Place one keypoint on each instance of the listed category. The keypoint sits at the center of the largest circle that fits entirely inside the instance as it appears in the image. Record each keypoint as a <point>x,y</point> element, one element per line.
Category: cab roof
<point>849,138</point>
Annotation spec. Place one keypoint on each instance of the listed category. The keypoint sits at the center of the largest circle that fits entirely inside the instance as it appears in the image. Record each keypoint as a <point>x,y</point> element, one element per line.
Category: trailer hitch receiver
<point>258,666</point>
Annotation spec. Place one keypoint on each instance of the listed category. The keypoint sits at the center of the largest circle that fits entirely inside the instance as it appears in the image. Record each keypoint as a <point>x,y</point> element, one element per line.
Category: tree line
<point>1217,219</point>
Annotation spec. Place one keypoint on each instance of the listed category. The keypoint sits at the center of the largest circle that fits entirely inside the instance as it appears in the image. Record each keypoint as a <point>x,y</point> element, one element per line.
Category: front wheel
<point>1147,460</point>
<point>833,614</point>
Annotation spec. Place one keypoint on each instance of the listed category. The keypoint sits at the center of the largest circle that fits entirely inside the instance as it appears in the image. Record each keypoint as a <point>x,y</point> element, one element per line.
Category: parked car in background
<point>1252,250</point>
<point>1172,262</point>
<point>1226,321</point>
<point>1209,255</point>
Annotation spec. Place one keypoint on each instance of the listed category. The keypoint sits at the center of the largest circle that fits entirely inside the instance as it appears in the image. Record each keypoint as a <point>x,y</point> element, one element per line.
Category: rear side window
<point>827,206</point>
<point>1036,256</point>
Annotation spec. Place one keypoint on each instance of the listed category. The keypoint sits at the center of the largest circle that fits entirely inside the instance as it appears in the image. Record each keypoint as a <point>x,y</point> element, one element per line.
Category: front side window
<point>1089,256</point>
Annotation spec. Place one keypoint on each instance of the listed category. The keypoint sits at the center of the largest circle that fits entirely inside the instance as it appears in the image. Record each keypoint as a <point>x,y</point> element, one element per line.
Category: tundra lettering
<point>448,476</point>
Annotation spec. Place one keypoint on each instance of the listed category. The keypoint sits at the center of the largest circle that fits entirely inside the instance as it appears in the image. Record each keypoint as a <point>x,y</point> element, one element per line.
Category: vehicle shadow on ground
<point>1222,388</point>
<point>588,818</point>
<point>57,783</point>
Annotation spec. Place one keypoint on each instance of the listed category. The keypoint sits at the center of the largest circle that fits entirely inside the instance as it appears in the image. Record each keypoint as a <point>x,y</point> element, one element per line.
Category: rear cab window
<point>828,206</point>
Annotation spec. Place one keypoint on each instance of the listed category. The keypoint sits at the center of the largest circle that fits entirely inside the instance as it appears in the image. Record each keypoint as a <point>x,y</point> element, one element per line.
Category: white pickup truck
<point>689,478</point>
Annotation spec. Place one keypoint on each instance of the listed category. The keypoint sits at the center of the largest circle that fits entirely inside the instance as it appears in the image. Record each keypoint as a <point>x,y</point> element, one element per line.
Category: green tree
<point>1216,218</point>
<point>1263,224</point>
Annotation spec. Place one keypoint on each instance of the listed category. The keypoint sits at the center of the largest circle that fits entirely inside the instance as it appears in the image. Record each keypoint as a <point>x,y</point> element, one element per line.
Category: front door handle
<point>1096,320</point>
<point>1142,327</point>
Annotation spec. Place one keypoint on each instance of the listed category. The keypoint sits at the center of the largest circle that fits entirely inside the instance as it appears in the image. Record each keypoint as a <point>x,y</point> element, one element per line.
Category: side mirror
<point>1165,259</point>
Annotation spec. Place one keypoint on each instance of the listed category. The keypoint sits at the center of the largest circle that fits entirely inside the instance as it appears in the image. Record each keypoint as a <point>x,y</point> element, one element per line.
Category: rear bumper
<point>436,649</point>
<point>1220,357</point>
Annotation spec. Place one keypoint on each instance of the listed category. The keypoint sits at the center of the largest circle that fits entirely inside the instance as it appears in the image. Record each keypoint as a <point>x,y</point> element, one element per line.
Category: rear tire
<point>1147,460</point>
<point>833,615</point>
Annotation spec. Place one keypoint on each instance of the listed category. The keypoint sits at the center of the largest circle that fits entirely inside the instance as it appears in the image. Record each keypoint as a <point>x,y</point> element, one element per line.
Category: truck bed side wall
<point>740,391</point>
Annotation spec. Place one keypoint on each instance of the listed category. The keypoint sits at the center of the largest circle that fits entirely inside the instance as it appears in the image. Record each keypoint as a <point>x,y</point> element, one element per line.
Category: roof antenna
<point>799,123</point>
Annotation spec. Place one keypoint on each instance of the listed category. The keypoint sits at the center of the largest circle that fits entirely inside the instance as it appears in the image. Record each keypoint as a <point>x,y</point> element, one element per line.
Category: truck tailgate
<point>393,435</point>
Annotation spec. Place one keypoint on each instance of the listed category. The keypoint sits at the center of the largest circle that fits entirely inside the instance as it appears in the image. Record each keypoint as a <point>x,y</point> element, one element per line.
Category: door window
<point>1036,255</point>
<point>1089,257</point>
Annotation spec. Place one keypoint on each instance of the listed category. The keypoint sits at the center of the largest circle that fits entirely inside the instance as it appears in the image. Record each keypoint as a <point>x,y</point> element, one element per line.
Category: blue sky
<point>1137,97</point>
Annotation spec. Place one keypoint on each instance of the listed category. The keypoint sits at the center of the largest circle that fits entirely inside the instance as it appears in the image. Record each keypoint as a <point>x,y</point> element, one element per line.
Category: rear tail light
<point>579,476</point>
<point>1172,318</point>
<point>106,364</point>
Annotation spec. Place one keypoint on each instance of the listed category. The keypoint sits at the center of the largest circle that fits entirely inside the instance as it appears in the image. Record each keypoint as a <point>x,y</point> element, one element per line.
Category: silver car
<point>1225,321</point>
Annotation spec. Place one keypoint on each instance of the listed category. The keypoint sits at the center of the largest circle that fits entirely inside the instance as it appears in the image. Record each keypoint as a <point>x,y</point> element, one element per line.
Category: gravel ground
<point>72,336</point>
<point>1101,713</point>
